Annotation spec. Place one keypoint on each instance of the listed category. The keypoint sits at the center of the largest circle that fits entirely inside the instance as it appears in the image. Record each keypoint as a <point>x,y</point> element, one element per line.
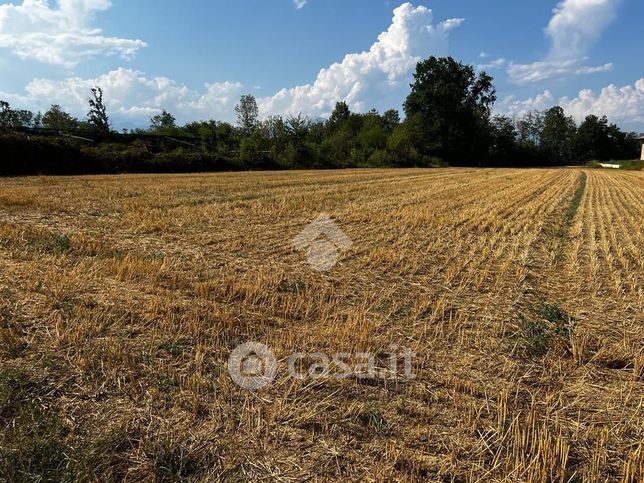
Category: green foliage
<point>164,123</point>
<point>247,113</point>
<point>448,121</point>
<point>373,418</point>
<point>557,135</point>
<point>450,104</point>
<point>62,243</point>
<point>633,165</point>
<point>390,120</point>
<point>11,118</point>
<point>576,200</point>
<point>32,437</point>
<point>253,151</point>
<point>22,154</point>
<point>542,326</point>
<point>340,114</point>
<point>97,115</point>
<point>503,146</point>
<point>56,118</point>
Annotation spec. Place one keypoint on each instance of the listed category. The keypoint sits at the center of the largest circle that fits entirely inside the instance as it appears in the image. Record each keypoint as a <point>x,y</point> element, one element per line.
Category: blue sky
<point>196,58</point>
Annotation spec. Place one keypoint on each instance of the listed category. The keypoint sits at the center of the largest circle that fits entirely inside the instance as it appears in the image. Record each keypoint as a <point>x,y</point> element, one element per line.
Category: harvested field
<point>521,293</point>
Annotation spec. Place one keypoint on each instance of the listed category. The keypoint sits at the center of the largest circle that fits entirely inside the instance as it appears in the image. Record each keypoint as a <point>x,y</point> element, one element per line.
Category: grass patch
<point>176,462</point>
<point>542,326</point>
<point>32,436</point>
<point>573,207</point>
<point>62,243</point>
<point>375,421</point>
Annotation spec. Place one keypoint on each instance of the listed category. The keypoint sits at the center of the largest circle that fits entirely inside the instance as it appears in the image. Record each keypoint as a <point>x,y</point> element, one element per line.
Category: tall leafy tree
<point>340,113</point>
<point>503,149</point>
<point>247,113</point>
<point>97,115</point>
<point>163,122</point>
<point>12,118</point>
<point>592,140</point>
<point>38,120</point>
<point>57,118</point>
<point>529,127</point>
<point>557,136</point>
<point>452,105</point>
<point>625,145</point>
<point>391,119</point>
<point>6,115</point>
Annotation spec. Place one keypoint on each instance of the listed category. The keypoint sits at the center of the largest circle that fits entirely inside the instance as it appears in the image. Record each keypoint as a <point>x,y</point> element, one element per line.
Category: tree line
<point>448,120</point>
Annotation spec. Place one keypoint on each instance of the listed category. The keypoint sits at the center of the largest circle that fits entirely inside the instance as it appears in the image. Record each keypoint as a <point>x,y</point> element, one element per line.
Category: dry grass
<point>522,293</point>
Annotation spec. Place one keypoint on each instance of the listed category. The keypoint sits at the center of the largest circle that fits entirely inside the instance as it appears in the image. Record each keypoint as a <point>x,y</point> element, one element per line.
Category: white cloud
<point>544,70</point>
<point>133,96</point>
<point>59,35</point>
<point>623,105</point>
<point>576,25</point>
<point>620,104</point>
<point>493,64</point>
<point>299,3</point>
<point>373,77</point>
<point>378,77</point>
<point>513,107</point>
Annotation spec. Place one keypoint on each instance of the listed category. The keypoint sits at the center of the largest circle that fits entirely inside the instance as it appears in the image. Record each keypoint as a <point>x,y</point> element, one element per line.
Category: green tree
<point>163,122</point>
<point>391,119</point>
<point>23,118</point>
<point>370,139</point>
<point>503,148</point>
<point>10,118</point>
<point>97,115</point>
<point>336,148</point>
<point>529,128</point>
<point>452,103</point>
<point>592,140</point>
<point>625,145</point>
<point>38,120</point>
<point>340,113</point>
<point>402,143</point>
<point>253,150</point>
<point>247,113</point>
<point>557,136</point>
<point>57,118</point>
<point>6,115</point>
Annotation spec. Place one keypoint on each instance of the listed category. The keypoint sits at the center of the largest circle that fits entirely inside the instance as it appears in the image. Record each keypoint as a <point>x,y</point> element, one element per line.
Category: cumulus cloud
<point>378,77</point>
<point>60,34</point>
<point>620,104</point>
<point>369,78</point>
<point>576,25</point>
<point>131,95</point>
<point>513,107</point>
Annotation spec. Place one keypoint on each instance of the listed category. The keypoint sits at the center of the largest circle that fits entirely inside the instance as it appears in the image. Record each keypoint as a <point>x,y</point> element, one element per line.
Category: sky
<point>195,59</point>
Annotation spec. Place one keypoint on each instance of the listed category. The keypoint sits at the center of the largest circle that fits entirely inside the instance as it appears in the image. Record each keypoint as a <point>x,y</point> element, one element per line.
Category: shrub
<point>633,165</point>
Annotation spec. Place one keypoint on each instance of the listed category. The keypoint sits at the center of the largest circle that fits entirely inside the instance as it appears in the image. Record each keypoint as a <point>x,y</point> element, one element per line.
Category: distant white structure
<point>641,138</point>
<point>612,166</point>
